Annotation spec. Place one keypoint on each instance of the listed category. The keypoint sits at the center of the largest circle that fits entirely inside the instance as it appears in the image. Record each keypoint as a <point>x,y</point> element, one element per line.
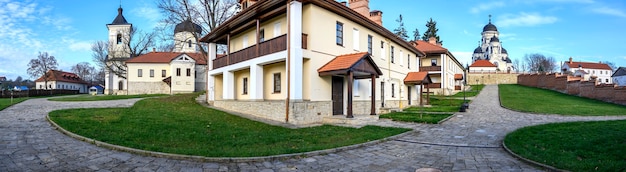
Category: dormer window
<point>119,38</point>
<point>189,43</point>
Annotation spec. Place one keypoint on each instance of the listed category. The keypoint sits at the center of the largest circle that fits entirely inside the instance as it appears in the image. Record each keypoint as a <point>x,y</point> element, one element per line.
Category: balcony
<point>273,45</point>
<point>430,68</point>
<point>433,85</point>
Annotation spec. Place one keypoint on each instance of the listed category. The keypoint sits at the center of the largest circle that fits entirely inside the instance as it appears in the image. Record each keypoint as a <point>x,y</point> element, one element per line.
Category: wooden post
<point>422,94</point>
<point>373,106</point>
<point>257,37</point>
<point>350,80</point>
<point>428,95</point>
<point>228,49</point>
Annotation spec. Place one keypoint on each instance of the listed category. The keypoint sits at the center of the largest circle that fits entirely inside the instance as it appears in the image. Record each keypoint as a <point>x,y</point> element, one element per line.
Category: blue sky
<point>587,30</point>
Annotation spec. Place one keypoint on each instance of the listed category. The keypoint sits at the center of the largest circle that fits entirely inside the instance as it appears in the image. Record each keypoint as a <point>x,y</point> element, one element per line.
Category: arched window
<point>119,38</point>
<point>120,85</point>
<point>189,43</point>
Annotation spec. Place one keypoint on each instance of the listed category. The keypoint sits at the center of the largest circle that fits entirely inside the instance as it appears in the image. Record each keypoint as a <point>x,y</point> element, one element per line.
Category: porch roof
<point>361,64</point>
<point>417,78</point>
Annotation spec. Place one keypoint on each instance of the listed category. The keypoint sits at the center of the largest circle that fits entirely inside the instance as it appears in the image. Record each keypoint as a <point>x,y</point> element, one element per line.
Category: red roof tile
<point>429,48</point>
<point>458,76</point>
<point>342,62</point>
<point>165,57</point>
<point>55,75</point>
<point>482,63</point>
<point>417,78</point>
<point>588,65</point>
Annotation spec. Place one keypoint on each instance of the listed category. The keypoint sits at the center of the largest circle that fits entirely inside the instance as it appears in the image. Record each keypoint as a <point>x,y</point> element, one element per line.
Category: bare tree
<point>540,63</point>
<point>137,43</point>
<point>84,70</point>
<point>40,66</point>
<point>611,64</point>
<point>517,65</point>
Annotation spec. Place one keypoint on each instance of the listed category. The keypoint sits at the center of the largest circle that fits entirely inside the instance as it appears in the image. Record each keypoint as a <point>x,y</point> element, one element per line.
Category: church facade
<point>491,49</point>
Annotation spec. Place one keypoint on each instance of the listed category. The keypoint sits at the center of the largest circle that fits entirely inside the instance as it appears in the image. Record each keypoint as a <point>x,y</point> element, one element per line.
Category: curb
<point>549,168</point>
<point>220,160</point>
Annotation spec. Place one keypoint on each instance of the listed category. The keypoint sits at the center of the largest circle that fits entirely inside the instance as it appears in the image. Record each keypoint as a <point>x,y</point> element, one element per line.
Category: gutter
<point>288,62</point>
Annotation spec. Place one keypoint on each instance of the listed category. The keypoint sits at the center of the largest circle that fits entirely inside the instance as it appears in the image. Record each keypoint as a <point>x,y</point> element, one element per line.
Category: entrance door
<point>337,96</point>
<point>408,91</point>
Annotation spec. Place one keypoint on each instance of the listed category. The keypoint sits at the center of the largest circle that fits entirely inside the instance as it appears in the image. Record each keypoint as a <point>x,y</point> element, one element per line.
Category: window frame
<point>139,73</point>
<point>393,90</point>
<point>177,71</point>
<point>370,41</point>
<point>277,83</point>
<point>163,73</point>
<point>188,71</point>
<point>261,35</point>
<point>433,62</point>
<point>151,73</point>
<point>391,54</point>
<point>245,86</point>
<point>339,33</point>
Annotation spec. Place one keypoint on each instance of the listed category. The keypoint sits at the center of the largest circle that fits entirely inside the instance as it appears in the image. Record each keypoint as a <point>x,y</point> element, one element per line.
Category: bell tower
<point>119,36</point>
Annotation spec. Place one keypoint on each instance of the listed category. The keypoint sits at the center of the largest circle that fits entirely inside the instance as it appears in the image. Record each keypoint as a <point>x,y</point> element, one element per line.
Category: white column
<point>295,50</point>
<point>210,87</point>
<point>212,55</point>
<point>256,82</point>
<point>210,83</point>
<point>228,85</point>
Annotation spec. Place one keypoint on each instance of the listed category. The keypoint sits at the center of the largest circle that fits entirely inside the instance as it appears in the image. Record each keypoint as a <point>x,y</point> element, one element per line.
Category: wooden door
<point>408,91</point>
<point>337,95</point>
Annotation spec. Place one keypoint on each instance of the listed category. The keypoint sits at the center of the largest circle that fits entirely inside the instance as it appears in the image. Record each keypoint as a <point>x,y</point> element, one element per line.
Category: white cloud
<point>80,46</point>
<point>463,57</point>
<point>486,6</point>
<point>525,19</point>
<point>609,11</point>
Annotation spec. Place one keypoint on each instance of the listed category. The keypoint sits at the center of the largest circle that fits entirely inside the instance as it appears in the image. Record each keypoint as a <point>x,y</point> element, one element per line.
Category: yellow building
<point>445,70</point>
<point>302,62</point>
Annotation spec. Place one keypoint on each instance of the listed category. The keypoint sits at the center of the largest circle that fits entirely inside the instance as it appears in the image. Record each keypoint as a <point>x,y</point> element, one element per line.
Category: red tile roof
<point>165,57</point>
<point>458,76</point>
<point>417,78</point>
<point>588,65</point>
<point>429,48</point>
<point>342,62</point>
<point>482,63</point>
<point>55,75</point>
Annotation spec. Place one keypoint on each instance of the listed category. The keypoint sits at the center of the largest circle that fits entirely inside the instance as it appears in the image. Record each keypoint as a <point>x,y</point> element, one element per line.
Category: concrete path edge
<point>219,159</point>
<point>550,168</point>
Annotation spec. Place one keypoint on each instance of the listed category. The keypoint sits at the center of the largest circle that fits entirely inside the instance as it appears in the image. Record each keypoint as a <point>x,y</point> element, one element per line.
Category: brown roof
<point>588,65</point>
<point>417,78</point>
<point>429,48</point>
<point>342,62</point>
<point>360,63</point>
<point>56,75</point>
<point>482,63</point>
<point>458,76</point>
<point>165,57</point>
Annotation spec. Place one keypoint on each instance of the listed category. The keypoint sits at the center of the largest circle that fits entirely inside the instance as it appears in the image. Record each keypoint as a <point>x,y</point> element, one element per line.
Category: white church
<point>491,49</point>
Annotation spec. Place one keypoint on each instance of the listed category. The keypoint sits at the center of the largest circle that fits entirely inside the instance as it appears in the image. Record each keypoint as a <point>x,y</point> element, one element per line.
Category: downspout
<point>288,62</point>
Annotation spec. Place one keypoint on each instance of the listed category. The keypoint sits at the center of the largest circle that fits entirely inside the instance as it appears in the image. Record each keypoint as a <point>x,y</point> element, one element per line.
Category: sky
<point>586,30</point>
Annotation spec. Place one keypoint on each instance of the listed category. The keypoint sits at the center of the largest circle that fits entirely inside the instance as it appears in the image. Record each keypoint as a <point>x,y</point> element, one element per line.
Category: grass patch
<point>536,100</point>
<point>415,117</point>
<point>6,102</point>
<point>575,146</point>
<point>475,89</point>
<point>439,104</point>
<point>103,97</point>
<point>177,124</point>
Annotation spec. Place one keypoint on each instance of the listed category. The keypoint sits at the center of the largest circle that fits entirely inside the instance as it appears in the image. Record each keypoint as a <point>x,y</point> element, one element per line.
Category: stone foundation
<point>300,112</point>
<point>148,88</point>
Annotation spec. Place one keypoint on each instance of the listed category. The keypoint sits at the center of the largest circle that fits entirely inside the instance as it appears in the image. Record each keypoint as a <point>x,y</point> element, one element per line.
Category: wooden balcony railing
<point>430,68</point>
<point>433,85</point>
<point>457,87</point>
<point>273,45</point>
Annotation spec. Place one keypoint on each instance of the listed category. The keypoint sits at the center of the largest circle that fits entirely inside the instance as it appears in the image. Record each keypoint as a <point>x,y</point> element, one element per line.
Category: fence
<point>575,86</point>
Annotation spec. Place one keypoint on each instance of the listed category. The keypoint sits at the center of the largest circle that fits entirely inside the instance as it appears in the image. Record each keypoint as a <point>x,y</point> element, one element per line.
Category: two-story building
<point>602,72</point>
<point>445,70</point>
<point>301,61</point>
<point>56,79</point>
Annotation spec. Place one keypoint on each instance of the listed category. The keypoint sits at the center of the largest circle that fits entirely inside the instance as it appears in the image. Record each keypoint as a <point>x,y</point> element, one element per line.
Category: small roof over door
<point>360,64</point>
<point>417,78</point>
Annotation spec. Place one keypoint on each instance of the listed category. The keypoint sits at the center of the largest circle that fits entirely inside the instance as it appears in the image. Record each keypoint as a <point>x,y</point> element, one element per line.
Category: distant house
<point>20,88</point>
<point>2,79</point>
<point>166,73</point>
<point>482,66</point>
<point>444,69</point>
<point>62,80</point>
<point>619,77</point>
<point>600,70</point>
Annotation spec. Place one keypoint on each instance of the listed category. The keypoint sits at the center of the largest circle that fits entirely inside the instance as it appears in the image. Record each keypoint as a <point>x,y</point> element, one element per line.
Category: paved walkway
<point>467,142</point>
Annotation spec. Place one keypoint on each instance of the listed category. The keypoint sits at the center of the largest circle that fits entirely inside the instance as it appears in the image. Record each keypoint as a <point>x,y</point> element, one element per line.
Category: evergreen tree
<point>431,31</point>
<point>416,35</point>
<point>401,31</point>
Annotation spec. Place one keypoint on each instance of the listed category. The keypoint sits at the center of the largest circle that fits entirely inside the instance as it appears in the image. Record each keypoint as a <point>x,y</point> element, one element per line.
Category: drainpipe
<point>288,62</point>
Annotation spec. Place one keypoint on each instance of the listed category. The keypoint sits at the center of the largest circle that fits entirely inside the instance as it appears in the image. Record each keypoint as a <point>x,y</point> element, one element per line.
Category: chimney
<point>153,49</point>
<point>344,3</point>
<point>432,40</point>
<point>361,7</point>
<point>570,60</point>
<point>377,17</point>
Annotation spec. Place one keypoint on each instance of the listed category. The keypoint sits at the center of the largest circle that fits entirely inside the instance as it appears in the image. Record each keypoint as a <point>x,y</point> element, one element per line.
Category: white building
<point>586,70</point>
<point>119,52</point>
<point>619,77</point>
<point>491,49</point>
<point>62,81</point>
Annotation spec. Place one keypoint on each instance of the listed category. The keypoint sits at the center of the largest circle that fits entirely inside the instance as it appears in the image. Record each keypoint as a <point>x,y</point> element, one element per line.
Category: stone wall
<point>301,112</point>
<point>148,88</point>
<point>491,78</point>
<point>575,86</point>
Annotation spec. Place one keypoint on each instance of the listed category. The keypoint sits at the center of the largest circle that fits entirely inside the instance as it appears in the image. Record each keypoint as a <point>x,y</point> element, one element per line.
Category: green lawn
<point>103,97</point>
<point>177,124</point>
<point>6,102</point>
<point>439,104</point>
<point>475,89</point>
<point>415,117</point>
<point>575,146</point>
<point>536,100</point>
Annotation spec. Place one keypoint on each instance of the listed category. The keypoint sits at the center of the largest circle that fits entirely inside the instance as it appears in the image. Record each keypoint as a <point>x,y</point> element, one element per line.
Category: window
<point>163,73</point>
<point>245,42</point>
<point>369,44</point>
<point>262,35</point>
<point>139,72</point>
<point>277,29</point>
<point>433,62</point>
<point>392,54</point>
<point>120,85</point>
<point>607,80</point>
<point>408,61</point>
<point>339,34</point>
<point>355,39</point>
<point>393,90</point>
<point>119,38</point>
<point>189,43</point>
<point>177,71</point>
<point>355,88</point>
<point>245,86</point>
<point>151,73</point>
<point>276,82</point>
<point>195,74</point>
<point>382,50</point>
<point>188,72</point>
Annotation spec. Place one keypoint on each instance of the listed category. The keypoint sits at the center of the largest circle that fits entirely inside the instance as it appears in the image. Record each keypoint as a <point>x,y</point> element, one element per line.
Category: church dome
<point>495,39</point>
<point>490,27</point>
<point>478,50</point>
<point>187,26</point>
<point>119,20</point>
<point>504,51</point>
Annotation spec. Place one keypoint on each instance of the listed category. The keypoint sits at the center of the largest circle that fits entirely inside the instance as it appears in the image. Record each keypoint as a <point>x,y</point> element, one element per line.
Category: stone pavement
<point>469,141</point>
